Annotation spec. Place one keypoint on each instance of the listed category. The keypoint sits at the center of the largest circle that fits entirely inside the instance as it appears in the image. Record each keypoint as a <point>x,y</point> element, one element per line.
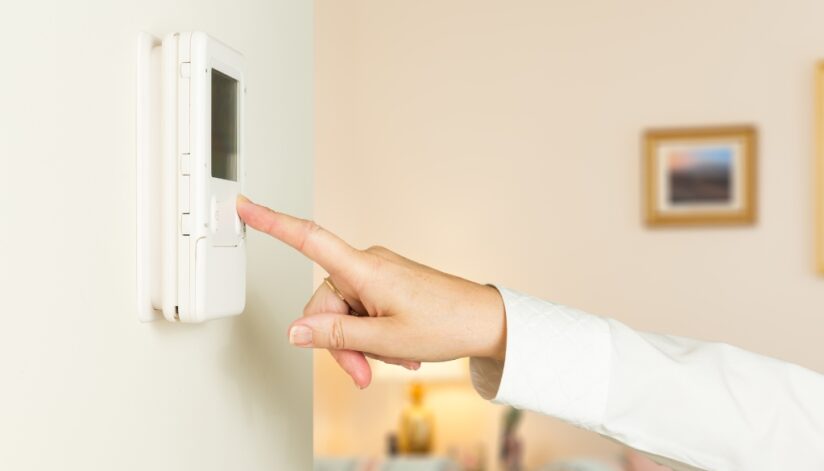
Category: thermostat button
<point>238,224</point>
<point>214,218</point>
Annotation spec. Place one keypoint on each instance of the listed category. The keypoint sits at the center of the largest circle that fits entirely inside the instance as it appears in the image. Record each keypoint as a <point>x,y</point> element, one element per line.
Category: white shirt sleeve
<point>707,405</point>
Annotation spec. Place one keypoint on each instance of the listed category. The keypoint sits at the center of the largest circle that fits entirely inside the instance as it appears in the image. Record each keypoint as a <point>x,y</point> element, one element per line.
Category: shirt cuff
<point>557,361</point>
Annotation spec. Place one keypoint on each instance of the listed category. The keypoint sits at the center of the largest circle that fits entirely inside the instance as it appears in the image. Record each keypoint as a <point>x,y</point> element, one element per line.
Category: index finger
<point>320,245</point>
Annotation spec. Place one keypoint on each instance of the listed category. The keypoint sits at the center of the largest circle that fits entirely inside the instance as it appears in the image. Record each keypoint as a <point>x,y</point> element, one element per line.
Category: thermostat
<point>191,253</point>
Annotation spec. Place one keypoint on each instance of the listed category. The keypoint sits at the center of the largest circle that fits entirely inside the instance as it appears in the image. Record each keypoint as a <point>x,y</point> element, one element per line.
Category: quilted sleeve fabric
<point>704,405</point>
<point>557,361</point>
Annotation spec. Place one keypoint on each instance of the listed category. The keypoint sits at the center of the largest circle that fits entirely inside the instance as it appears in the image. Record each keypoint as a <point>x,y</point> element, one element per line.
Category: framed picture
<point>700,176</point>
<point>819,165</point>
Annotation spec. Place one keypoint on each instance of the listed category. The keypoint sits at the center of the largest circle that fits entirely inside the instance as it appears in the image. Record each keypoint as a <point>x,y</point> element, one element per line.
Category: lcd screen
<point>224,126</point>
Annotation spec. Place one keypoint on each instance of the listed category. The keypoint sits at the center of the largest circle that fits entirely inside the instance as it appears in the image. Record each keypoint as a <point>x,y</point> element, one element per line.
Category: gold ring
<point>352,312</point>
<point>334,289</point>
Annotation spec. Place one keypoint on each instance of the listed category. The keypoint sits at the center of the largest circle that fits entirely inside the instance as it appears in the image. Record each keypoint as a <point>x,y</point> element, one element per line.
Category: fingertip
<point>361,383</point>
<point>300,335</point>
<point>355,365</point>
<point>256,216</point>
<point>362,376</point>
<point>243,206</point>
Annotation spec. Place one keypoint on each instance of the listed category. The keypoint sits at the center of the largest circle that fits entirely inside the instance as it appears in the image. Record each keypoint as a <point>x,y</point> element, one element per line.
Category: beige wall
<point>500,141</point>
<point>83,385</point>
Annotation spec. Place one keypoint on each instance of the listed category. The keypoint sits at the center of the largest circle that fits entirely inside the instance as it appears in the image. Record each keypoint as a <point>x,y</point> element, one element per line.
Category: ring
<point>334,289</point>
<point>352,312</point>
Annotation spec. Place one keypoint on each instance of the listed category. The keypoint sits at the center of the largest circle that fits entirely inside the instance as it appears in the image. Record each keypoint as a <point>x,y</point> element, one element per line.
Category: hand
<point>411,312</point>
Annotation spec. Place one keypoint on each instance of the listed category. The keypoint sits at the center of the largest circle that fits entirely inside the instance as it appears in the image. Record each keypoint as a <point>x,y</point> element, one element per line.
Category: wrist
<point>494,322</point>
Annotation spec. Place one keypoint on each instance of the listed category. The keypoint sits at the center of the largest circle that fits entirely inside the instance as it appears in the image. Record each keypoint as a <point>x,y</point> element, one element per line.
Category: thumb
<point>341,332</point>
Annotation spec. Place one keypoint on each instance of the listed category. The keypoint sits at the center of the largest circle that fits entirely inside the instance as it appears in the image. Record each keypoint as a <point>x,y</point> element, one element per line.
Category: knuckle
<point>372,268</point>
<point>378,263</point>
<point>381,252</point>
<point>310,230</point>
<point>270,225</point>
<point>336,338</point>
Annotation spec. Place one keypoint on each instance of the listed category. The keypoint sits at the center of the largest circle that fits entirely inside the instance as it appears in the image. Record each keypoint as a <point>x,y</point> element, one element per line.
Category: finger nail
<point>300,336</point>
<point>242,199</point>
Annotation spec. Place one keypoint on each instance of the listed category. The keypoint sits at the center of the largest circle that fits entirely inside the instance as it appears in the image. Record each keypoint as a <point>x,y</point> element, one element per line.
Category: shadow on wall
<point>256,355</point>
<point>255,359</point>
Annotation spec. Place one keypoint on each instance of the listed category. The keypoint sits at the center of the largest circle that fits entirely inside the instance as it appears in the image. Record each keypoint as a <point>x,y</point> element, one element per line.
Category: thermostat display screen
<point>224,126</point>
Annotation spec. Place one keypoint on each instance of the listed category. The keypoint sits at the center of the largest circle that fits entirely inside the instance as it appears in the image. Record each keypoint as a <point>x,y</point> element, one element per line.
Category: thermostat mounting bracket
<point>191,244</point>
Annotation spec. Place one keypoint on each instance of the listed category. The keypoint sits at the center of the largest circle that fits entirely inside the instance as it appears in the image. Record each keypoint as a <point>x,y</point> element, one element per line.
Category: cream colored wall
<point>500,141</point>
<point>83,385</point>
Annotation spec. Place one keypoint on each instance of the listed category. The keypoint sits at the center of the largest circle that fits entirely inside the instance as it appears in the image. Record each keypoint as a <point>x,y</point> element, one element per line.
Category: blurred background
<point>501,141</point>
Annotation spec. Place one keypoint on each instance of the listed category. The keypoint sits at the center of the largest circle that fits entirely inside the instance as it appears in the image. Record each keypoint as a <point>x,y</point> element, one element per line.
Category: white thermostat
<point>191,244</point>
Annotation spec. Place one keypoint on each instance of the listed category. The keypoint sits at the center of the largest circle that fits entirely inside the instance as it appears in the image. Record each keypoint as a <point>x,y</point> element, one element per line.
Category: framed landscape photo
<point>700,176</point>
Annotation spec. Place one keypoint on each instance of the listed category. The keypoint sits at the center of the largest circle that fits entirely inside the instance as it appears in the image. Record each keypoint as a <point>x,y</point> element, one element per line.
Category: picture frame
<point>818,167</point>
<point>702,176</point>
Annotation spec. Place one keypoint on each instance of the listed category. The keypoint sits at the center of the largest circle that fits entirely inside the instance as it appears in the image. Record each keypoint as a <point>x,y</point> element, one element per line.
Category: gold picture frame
<point>819,166</point>
<point>700,176</point>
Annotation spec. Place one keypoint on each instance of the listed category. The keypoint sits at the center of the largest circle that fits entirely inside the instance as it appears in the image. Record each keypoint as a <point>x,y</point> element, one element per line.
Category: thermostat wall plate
<point>191,244</point>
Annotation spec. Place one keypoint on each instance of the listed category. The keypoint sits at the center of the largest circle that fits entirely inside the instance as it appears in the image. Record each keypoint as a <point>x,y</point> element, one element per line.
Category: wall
<point>501,141</point>
<point>84,385</point>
